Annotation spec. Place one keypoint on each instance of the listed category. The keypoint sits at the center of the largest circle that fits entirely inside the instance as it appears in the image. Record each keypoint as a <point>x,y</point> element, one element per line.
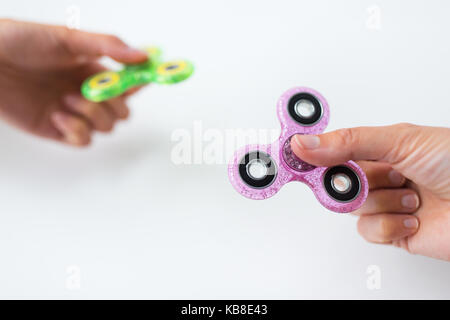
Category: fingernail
<point>307,142</point>
<point>396,177</point>
<point>411,223</point>
<point>410,201</point>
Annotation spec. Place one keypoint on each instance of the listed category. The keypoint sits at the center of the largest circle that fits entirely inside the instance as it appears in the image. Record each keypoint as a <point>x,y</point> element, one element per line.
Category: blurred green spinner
<point>110,84</point>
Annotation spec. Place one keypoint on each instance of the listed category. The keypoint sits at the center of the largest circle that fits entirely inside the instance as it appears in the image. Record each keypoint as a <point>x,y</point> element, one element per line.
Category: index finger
<point>81,43</point>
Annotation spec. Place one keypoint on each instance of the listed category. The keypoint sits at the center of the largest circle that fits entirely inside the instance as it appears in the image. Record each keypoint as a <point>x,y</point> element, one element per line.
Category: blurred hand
<point>408,168</point>
<point>41,71</point>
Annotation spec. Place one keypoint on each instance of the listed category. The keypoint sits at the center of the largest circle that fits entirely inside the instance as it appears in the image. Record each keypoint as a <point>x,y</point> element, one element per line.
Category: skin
<point>408,168</point>
<point>41,70</point>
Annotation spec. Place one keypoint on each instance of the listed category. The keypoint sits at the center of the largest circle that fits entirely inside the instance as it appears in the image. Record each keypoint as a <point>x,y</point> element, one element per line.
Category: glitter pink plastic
<point>310,175</point>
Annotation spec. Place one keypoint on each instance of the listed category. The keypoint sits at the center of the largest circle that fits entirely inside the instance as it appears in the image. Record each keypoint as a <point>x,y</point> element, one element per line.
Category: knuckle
<point>67,35</point>
<point>348,136</point>
<point>114,39</point>
<point>385,230</point>
<point>404,129</point>
<point>66,32</point>
<point>405,126</point>
<point>403,135</point>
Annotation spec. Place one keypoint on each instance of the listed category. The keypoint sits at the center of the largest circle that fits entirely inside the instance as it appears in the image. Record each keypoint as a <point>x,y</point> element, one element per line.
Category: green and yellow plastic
<point>110,84</point>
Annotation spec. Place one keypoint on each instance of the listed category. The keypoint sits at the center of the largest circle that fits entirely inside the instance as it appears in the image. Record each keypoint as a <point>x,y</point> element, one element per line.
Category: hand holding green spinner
<point>110,84</point>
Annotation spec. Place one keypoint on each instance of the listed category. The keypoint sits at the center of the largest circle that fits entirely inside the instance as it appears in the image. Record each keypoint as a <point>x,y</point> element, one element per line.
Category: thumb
<point>82,44</point>
<point>390,144</point>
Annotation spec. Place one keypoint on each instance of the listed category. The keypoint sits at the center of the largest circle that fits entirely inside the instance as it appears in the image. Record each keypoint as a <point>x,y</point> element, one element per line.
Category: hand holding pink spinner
<point>259,171</point>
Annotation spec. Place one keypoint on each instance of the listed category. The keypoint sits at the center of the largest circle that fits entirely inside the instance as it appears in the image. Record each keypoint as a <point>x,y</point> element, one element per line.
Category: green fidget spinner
<point>110,84</point>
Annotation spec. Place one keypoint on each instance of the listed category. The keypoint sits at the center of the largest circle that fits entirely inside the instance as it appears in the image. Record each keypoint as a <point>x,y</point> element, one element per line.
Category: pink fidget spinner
<point>259,171</point>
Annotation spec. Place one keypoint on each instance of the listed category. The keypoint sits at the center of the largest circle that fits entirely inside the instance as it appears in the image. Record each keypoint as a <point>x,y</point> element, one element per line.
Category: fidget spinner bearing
<point>110,84</point>
<point>259,171</point>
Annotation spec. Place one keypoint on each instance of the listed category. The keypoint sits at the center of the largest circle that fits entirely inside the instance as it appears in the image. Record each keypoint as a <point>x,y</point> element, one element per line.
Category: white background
<point>139,226</point>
